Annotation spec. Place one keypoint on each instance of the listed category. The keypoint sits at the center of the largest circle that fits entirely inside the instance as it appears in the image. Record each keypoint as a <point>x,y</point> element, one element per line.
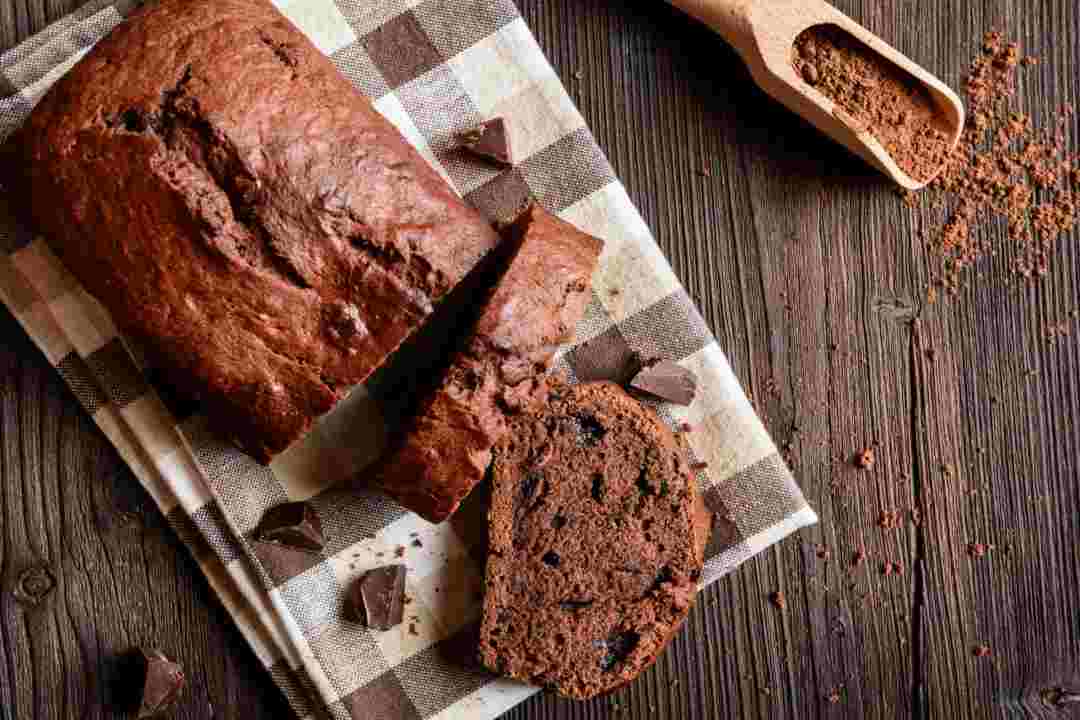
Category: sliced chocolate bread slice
<point>597,535</point>
<point>532,310</point>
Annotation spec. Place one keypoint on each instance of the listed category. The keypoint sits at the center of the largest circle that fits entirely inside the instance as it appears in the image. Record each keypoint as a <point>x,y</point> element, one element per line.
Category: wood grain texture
<point>811,274</point>
<point>20,18</point>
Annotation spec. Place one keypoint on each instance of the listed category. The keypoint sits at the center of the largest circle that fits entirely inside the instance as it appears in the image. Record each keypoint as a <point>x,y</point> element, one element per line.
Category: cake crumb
<point>890,520</point>
<point>778,599</point>
<point>981,651</point>
<point>864,460</point>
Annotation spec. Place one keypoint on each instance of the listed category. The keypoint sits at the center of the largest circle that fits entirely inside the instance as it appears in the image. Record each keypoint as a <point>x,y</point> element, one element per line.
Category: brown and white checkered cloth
<point>468,60</point>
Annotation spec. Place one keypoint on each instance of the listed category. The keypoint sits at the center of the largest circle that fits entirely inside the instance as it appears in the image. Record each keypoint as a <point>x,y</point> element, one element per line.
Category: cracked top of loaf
<point>243,213</point>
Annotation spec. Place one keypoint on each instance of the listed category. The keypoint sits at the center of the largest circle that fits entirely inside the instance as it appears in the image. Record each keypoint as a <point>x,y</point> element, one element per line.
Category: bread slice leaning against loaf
<point>533,308</point>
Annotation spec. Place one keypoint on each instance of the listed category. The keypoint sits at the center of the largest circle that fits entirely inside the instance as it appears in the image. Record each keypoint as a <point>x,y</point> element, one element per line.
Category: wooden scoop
<point>764,32</point>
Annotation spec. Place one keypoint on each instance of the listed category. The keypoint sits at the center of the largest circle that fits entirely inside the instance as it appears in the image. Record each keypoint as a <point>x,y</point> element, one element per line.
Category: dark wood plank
<point>20,18</point>
<point>69,505</point>
<point>810,273</point>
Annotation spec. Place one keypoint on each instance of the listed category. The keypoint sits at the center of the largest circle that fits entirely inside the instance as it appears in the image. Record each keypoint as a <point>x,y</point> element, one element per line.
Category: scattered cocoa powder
<point>1004,169</point>
<point>872,93</point>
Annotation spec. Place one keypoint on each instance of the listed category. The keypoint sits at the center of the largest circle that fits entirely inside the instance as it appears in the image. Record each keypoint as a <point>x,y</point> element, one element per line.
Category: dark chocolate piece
<point>667,381</point>
<point>295,524</point>
<point>163,680</point>
<point>489,141</point>
<point>377,598</point>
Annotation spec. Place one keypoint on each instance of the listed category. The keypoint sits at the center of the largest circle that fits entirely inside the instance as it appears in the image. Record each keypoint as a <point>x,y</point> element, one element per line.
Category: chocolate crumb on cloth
<point>595,557</point>
<point>873,93</point>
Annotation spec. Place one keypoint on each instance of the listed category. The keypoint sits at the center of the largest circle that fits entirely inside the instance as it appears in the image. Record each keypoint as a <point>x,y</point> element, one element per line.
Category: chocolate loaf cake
<point>242,212</point>
<point>533,309</point>
<point>597,535</point>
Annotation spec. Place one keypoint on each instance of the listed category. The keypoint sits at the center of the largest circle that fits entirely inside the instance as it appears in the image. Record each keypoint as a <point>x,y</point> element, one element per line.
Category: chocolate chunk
<point>605,357</point>
<point>294,524</point>
<point>163,680</point>
<point>667,381</point>
<point>616,648</point>
<point>488,140</point>
<point>377,598</point>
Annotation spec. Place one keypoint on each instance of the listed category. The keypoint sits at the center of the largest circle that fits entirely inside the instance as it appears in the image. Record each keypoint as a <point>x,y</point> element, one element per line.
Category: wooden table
<point>809,271</point>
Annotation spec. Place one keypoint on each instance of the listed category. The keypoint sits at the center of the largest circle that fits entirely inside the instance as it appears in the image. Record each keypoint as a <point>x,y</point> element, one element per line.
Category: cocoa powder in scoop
<point>874,94</point>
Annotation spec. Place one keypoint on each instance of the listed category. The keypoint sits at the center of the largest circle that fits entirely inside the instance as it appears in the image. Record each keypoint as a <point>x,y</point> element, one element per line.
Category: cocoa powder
<point>874,94</point>
<point>1004,170</point>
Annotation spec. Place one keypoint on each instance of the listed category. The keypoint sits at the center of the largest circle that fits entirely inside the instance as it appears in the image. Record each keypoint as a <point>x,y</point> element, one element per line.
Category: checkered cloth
<point>468,60</point>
